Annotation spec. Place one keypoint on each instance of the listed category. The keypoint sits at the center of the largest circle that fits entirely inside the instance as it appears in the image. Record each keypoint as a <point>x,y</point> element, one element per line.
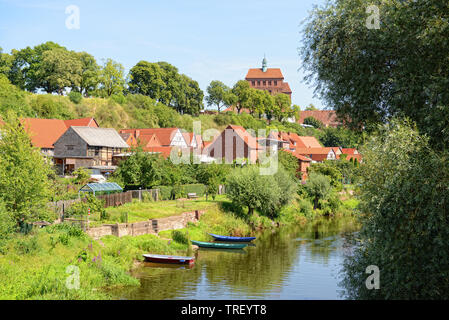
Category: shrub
<point>199,189</point>
<point>75,97</point>
<point>165,192</point>
<point>180,237</point>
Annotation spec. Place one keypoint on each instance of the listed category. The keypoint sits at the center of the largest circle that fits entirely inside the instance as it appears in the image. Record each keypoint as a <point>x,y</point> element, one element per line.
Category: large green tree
<point>219,95</point>
<point>371,75</point>
<point>24,183</point>
<point>162,82</point>
<point>405,221</point>
<point>59,69</point>
<point>89,74</point>
<point>112,78</point>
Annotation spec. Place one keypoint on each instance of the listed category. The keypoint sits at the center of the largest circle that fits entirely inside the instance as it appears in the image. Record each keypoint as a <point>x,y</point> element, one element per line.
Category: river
<point>289,263</point>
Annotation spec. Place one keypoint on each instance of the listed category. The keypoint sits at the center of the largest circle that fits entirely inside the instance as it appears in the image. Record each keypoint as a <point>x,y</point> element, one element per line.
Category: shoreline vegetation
<point>40,265</point>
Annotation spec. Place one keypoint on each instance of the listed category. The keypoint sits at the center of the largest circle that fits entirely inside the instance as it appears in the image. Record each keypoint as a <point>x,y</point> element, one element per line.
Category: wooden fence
<point>116,199</point>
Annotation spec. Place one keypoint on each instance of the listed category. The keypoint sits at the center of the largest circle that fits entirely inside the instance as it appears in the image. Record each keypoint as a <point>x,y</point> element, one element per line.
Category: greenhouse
<point>101,188</point>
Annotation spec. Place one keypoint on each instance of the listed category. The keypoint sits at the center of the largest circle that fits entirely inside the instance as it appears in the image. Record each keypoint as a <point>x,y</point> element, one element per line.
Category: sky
<point>206,40</point>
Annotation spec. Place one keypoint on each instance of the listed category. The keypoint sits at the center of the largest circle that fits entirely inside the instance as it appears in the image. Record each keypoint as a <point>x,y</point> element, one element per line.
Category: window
<point>97,151</point>
<point>253,83</point>
<point>264,83</point>
<point>275,83</point>
<point>69,148</point>
<point>269,83</point>
<point>258,83</point>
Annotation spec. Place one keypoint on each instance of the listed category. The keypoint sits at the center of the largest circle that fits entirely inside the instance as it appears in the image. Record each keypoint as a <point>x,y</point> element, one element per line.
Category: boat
<point>160,258</point>
<point>216,245</point>
<point>232,239</point>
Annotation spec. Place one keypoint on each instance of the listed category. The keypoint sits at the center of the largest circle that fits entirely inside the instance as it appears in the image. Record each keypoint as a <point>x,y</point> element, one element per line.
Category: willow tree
<point>405,206</point>
<point>371,74</point>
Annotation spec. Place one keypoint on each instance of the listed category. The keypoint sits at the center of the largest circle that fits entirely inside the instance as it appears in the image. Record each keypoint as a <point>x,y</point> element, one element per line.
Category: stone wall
<point>146,227</point>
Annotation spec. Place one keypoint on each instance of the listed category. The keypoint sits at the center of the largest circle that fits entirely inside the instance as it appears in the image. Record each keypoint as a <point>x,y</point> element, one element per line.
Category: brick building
<point>270,79</point>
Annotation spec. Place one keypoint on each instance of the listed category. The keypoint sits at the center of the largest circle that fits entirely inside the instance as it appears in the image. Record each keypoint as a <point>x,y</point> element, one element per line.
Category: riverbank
<point>38,266</point>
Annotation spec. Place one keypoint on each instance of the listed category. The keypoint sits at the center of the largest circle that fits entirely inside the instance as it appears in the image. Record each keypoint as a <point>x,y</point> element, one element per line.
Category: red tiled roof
<point>271,73</point>
<point>322,150</point>
<point>44,132</point>
<point>349,151</point>
<point>327,117</point>
<point>164,151</point>
<point>299,156</point>
<point>164,135</point>
<point>245,136</point>
<point>83,122</point>
<point>286,88</point>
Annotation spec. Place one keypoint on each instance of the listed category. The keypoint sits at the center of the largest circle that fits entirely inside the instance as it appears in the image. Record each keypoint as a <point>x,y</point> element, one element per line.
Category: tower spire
<point>264,63</point>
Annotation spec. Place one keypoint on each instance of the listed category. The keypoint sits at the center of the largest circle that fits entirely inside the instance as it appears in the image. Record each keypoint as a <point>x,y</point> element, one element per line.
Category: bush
<point>165,192</point>
<point>199,189</point>
<point>180,237</point>
<point>75,97</point>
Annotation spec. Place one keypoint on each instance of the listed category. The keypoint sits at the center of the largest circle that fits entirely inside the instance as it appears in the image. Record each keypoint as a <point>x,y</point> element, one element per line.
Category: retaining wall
<point>152,226</point>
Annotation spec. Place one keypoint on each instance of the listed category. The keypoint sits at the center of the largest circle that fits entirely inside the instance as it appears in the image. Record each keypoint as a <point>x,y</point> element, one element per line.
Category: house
<point>232,144</point>
<point>291,141</point>
<point>327,117</point>
<point>160,137</point>
<point>317,154</point>
<point>45,132</point>
<point>352,153</point>
<point>303,162</point>
<point>88,147</point>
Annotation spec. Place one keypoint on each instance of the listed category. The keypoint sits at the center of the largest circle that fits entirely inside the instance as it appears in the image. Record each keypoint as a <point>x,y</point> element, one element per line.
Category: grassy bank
<point>35,266</point>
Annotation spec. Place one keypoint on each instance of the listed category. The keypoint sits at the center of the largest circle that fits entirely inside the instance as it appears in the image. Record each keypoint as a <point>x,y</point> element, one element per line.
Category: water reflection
<point>293,263</point>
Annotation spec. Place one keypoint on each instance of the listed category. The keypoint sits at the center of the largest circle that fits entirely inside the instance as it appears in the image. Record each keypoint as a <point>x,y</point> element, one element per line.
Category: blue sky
<point>207,40</point>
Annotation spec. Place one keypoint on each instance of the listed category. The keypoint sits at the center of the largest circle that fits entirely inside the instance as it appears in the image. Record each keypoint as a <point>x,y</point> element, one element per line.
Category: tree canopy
<point>371,75</point>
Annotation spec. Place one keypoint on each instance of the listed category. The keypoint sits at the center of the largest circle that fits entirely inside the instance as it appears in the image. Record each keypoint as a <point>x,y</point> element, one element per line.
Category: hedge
<point>166,191</point>
<point>199,189</point>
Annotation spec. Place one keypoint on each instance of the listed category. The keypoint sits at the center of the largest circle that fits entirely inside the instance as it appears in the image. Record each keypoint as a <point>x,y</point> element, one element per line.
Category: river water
<point>290,263</point>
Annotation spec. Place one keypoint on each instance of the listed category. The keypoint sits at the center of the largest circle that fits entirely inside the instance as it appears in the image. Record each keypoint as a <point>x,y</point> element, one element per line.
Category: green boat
<point>219,245</point>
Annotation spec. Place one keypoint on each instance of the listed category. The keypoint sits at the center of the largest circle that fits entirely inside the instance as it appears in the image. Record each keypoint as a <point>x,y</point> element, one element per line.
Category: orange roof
<point>322,150</point>
<point>310,142</point>
<point>44,132</point>
<point>349,151</point>
<point>164,135</point>
<point>164,151</point>
<point>83,122</point>
<point>286,88</point>
<point>327,117</point>
<point>245,136</point>
<point>271,73</point>
<point>299,156</point>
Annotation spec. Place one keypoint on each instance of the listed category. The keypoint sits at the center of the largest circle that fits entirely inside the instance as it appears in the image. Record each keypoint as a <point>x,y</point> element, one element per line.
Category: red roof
<point>164,151</point>
<point>299,156</point>
<point>286,88</point>
<point>349,151</point>
<point>271,73</point>
<point>84,122</point>
<point>245,136</point>
<point>44,132</point>
<point>327,117</point>
<point>164,135</point>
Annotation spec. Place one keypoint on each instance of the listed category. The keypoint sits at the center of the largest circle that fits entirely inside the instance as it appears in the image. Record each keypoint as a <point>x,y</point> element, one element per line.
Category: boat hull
<point>159,258</point>
<point>215,245</point>
<point>232,239</point>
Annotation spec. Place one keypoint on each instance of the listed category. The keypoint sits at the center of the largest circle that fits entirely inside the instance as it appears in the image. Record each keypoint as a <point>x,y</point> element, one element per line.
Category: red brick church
<point>270,79</point>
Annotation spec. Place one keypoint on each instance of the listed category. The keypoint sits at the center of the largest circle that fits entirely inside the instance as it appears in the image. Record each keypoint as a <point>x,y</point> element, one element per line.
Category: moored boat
<point>232,239</point>
<point>160,258</point>
<point>216,245</point>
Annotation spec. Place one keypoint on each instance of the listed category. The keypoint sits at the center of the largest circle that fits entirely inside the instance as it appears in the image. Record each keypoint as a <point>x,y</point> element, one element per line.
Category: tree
<point>141,169</point>
<point>328,169</point>
<point>23,173</point>
<point>369,75</point>
<point>312,121</point>
<point>267,193</point>
<point>111,78</point>
<point>59,69</point>
<point>283,106</point>
<point>162,82</point>
<point>89,74</point>
<point>289,162</point>
<point>242,92</point>
<point>405,204</point>
<point>219,95</point>
<point>5,62</point>
<point>26,64</point>
<point>311,107</point>
<point>13,99</point>
<point>318,187</point>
